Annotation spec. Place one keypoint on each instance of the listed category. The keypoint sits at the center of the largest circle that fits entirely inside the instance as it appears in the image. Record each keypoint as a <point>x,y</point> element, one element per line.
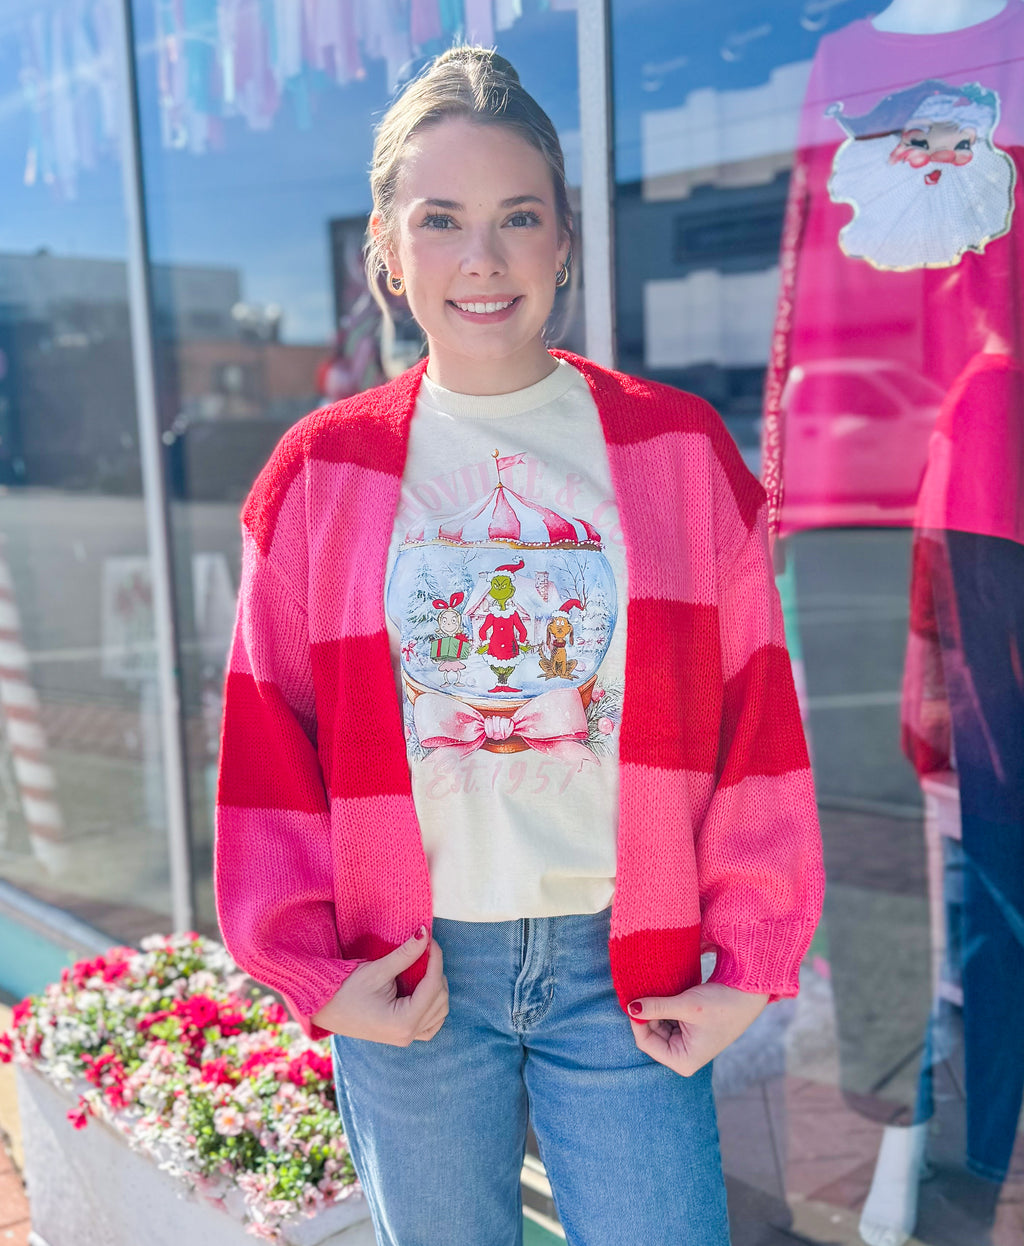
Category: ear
<point>383,242</point>
<point>564,246</point>
<point>572,635</point>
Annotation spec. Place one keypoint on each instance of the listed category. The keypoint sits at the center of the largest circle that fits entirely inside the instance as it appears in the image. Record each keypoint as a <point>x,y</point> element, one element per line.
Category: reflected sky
<point>258,200</point>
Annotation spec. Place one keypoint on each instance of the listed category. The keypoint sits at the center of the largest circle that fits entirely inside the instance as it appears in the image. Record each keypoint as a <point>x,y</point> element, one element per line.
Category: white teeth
<point>483,309</point>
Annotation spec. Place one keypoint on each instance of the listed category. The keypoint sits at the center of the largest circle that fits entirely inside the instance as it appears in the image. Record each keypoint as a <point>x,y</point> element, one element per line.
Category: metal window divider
<point>154,483</point>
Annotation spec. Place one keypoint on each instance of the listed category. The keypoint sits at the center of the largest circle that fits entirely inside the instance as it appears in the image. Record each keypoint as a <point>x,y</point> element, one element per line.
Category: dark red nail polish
<point>636,1008</point>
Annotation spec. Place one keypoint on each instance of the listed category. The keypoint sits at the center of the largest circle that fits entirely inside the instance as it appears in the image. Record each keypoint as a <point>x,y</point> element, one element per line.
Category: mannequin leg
<point>890,1211</point>
<point>988,728</point>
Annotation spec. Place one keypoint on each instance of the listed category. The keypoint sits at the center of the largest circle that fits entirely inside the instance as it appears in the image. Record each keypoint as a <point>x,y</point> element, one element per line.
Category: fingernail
<point>636,1008</point>
<point>420,934</point>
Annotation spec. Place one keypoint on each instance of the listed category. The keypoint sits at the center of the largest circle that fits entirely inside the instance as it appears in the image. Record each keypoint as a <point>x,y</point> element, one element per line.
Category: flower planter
<point>89,1188</point>
<point>164,1099</point>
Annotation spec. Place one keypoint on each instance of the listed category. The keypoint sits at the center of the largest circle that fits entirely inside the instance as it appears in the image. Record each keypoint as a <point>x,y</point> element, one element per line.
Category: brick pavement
<point>14,1217</point>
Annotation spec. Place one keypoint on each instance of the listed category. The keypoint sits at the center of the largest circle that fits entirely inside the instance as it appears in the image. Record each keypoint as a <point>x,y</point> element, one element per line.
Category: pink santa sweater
<point>319,861</point>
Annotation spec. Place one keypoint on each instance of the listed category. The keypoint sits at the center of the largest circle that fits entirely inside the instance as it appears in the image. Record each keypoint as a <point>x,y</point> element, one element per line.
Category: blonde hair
<point>471,82</point>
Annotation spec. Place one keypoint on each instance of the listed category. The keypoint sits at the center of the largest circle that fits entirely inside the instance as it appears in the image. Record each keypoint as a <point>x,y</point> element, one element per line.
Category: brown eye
<point>918,142</point>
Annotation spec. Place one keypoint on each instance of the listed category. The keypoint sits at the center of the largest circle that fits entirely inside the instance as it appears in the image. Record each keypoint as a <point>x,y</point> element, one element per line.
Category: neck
<point>465,375</point>
<point>935,17</point>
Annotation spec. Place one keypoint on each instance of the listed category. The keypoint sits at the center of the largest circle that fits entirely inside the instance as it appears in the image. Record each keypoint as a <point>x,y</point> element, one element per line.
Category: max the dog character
<point>559,634</point>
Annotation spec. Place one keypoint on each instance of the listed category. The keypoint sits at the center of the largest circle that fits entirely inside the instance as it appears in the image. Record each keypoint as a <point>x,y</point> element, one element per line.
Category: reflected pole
<point>154,483</point>
<point>593,41</point>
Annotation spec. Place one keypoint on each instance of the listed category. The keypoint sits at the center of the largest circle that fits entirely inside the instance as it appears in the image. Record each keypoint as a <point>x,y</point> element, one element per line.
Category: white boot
<point>890,1212</point>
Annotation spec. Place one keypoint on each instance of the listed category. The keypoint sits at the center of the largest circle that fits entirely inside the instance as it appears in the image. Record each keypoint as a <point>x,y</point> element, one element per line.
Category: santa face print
<point>929,147</point>
<point>924,178</point>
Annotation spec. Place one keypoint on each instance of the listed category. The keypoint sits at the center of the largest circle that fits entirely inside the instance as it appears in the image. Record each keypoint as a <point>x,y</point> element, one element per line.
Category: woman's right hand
<point>367,1004</point>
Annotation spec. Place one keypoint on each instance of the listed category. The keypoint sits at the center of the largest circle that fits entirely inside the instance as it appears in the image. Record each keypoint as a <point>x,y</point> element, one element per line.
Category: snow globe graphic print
<point>506,611</point>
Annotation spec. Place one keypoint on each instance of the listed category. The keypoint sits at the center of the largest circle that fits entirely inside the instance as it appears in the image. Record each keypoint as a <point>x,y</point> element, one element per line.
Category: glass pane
<point>82,810</point>
<point>257,135</point>
<point>819,230</point>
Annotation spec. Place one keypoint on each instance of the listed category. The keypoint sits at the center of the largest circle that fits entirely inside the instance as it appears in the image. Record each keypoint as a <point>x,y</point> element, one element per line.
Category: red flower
<point>6,1049</point>
<point>260,1059</point>
<point>219,1072</point>
<point>199,1011</point>
<point>20,1010</point>
<point>230,1023</point>
<point>312,1061</point>
<point>79,1117</point>
<point>275,1014</point>
<point>151,1018</point>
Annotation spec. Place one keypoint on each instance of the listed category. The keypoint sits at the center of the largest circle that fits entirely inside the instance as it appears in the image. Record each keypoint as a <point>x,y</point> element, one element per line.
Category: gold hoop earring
<point>396,284</point>
<point>562,276</point>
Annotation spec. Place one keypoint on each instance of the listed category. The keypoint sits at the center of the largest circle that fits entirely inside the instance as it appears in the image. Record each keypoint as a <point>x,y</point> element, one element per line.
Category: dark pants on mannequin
<point>983,647</point>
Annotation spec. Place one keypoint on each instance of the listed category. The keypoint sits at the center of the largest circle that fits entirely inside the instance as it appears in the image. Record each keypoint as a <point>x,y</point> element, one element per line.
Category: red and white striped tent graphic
<point>507,517</point>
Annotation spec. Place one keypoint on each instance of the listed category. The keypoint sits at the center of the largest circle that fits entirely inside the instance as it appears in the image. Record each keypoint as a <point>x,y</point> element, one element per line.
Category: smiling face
<point>944,143</point>
<point>449,622</point>
<point>476,237</point>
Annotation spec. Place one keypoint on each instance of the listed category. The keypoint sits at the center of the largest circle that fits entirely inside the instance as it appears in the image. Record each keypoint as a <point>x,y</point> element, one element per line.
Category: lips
<point>933,178</point>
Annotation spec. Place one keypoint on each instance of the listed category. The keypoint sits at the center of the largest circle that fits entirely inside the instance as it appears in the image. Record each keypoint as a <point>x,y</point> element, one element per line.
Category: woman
<point>495,897</point>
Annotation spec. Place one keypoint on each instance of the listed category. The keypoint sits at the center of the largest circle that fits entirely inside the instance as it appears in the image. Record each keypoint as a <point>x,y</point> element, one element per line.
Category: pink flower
<point>79,1117</point>
<point>217,1072</point>
<point>605,726</point>
<point>228,1121</point>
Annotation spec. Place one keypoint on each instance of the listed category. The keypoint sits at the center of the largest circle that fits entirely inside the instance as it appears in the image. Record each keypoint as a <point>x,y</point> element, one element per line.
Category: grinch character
<point>448,646</point>
<point>925,180</point>
<point>504,629</point>
<point>558,665</point>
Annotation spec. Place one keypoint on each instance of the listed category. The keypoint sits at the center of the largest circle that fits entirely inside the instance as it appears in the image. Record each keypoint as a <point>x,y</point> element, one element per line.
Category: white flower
<point>228,1121</point>
<point>245,1095</point>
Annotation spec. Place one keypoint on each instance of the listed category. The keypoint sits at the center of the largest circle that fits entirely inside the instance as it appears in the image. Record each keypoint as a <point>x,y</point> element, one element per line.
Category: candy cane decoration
<point>26,739</point>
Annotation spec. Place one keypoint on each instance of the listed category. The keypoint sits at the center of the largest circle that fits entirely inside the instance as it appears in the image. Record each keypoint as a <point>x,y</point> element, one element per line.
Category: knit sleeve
<point>273,872</point>
<point>759,858</point>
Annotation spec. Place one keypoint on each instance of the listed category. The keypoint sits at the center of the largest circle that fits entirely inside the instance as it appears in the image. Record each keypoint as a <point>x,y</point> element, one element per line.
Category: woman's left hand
<point>685,1031</point>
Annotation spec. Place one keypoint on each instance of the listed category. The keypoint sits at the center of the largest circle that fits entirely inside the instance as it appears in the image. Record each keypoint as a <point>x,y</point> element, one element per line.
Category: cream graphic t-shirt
<point>505,600</point>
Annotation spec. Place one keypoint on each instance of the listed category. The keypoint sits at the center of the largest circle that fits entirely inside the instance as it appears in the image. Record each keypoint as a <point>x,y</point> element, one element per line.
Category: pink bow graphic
<point>552,723</point>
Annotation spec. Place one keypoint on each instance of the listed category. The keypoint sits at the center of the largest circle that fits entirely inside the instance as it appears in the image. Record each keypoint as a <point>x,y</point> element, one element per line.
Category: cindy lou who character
<point>451,643</point>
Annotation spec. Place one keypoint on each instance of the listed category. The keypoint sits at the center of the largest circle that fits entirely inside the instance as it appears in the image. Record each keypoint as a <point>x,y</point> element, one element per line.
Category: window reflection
<point>82,821</point>
<point>817,230</point>
<point>257,137</point>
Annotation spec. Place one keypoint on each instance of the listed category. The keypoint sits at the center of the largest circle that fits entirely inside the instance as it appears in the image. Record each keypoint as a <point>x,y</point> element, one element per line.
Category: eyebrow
<point>452,206</point>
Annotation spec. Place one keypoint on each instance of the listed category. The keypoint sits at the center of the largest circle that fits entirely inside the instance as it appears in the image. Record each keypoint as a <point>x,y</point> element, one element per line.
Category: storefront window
<point>257,137</point>
<point>82,807</point>
<point>818,230</point>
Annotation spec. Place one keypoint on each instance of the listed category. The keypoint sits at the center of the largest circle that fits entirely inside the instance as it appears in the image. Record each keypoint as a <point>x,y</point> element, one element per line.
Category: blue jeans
<point>438,1129</point>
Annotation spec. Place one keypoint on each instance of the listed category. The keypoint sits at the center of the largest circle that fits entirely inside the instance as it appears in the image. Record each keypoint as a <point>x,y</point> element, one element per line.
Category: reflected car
<point>856,432</point>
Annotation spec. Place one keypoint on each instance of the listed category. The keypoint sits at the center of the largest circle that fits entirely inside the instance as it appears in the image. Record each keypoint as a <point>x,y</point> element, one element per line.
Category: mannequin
<point>935,17</point>
<point>905,114</point>
<point>890,1210</point>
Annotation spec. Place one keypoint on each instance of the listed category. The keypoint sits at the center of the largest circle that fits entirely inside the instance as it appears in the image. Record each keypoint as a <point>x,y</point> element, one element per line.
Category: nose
<point>484,255</point>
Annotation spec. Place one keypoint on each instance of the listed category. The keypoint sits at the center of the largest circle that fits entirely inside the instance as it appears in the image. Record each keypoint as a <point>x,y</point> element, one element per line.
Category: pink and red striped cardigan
<point>319,860</point>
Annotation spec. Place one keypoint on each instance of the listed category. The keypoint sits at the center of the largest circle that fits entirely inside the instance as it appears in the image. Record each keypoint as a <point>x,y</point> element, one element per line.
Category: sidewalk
<point>14,1218</point>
